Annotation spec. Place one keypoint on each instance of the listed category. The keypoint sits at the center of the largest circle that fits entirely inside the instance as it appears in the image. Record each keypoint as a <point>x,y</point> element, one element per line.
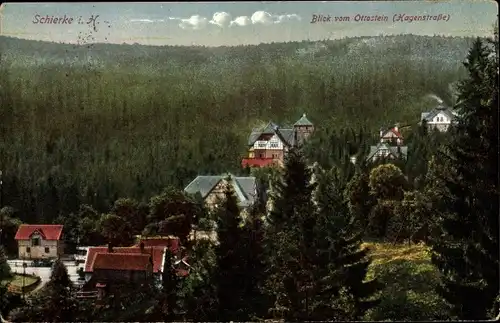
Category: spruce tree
<point>54,303</point>
<point>288,239</point>
<point>466,251</point>
<point>5,274</point>
<point>167,305</point>
<point>257,302</point>
<point>341,291</point>
<point>230,259</point>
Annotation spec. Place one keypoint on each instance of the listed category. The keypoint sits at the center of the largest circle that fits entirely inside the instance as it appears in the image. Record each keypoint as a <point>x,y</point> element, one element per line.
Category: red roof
<point>157,252</point>
<point>394,131</point>
<point>171,243</point>
<point>256,162</point>
<point>122,261</point>
<point>47,231</point>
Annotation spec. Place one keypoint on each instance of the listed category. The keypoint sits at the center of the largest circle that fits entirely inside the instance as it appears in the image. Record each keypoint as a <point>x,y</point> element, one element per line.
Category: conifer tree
<point>257,302</point>
<point>289,238</point>
<point>167,306</point>
<point>340,264</point>
<point>466,251</point>
<point>54,303</point>
<point>5,273</point>
<point>230,259</point>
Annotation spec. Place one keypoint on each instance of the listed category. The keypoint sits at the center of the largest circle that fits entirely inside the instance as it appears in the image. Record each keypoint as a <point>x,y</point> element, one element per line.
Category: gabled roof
<point>286,135</point>
<point>122,261</point>
<point>158,254</point>
<point>47,231</point>
<point>171,243</point>
<point>393,150</point>
<point>303,121</point>
<point>448,112</point>
<point>244,187</point>
<point>386,133</point>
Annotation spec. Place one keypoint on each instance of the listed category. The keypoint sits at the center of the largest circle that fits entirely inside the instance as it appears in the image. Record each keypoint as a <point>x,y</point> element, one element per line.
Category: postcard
<point>249,161</point>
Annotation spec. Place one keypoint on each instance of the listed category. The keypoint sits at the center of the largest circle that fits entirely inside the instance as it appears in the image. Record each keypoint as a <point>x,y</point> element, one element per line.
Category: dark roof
<point>303,121</point>
<point>122,261</point>
<point>448,112</point>
<point>244,187</point>
<point>47,231</point>
<point>286,135</point>
<point>392,149</point>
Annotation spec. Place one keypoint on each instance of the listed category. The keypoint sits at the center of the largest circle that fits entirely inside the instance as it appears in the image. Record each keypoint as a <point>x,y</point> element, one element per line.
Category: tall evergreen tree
<point>341,291</point>
<point>466,252</point>
<point>55,303</point>
<point>288,239</point>
<point>167,307</point>
<point>230,258</point>
<point>257,302</point>
<point>5,274</point>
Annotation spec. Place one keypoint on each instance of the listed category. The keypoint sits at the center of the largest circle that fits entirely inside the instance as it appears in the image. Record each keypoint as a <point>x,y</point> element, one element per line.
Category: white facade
<point>273,143</point>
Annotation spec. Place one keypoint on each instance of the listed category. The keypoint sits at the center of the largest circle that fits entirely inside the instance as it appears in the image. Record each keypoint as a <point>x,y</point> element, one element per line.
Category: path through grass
<point>409,279</point>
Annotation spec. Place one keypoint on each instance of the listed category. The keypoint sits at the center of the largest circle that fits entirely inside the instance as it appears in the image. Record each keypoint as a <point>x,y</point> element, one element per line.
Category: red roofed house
<point>126,254</point>
<point>39,241</point>
<point>107,268</point>
<point>391,136</point>
<point>111,270</point>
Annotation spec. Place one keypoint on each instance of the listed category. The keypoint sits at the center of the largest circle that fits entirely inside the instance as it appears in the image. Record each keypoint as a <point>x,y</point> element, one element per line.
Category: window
<point>35,241</point>
<point>28,249</point>
<point>261,144</point>
<point>47,250</point>
<point>275,155</point>
<point>274,144</point>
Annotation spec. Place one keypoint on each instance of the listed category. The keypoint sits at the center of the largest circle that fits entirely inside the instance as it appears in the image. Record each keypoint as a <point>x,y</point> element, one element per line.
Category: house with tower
<point>269,145</point>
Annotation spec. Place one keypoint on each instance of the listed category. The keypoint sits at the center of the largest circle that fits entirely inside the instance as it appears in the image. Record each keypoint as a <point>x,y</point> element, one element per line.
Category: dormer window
<point>274,143</point>
<point>261,144</point>
<point>35,241</point>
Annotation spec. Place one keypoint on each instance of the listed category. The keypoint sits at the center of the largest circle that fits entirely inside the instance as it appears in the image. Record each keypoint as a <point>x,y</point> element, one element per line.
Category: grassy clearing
<point>17,280</point>
<point>409,280</point>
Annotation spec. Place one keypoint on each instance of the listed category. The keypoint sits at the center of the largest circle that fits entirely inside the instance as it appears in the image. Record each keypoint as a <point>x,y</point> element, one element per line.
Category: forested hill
<point>127,120</point>
<point>20,52</point>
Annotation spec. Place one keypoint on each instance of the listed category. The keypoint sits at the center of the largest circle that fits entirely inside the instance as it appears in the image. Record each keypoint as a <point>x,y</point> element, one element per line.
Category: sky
<point>230,24</point>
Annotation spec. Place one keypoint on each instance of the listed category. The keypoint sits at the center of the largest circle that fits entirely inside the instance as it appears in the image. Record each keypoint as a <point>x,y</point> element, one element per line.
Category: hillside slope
<point>127,120</point>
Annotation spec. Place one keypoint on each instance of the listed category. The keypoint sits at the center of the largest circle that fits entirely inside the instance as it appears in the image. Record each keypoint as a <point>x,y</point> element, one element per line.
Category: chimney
<point>396,127</point>
<point>381,132</point>
<point>141,246</point>
<point>110,247</point>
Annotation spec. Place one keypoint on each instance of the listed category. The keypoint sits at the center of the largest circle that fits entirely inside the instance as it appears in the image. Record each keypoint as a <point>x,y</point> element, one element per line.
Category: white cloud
<point>194,22</point>
<point>284,18</point>
<point>241,21</point>
<point>221,19</point>
<point>262,17</point>
<point>147,20</point>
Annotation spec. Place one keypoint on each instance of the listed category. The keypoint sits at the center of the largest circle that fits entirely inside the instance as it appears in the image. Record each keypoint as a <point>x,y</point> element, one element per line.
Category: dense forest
<point>113,126</point>
<point>107,145</point>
